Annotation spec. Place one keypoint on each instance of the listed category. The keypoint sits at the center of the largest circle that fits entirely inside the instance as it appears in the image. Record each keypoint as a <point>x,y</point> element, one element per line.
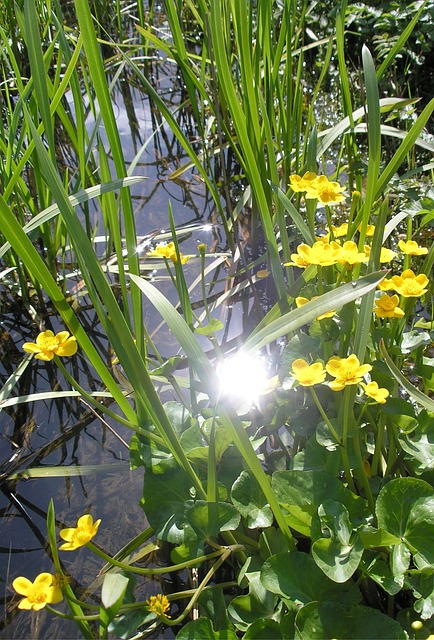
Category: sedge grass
<point>256,100</point>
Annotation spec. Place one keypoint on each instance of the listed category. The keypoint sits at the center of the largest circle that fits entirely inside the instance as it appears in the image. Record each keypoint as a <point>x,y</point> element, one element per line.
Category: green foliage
<point>308,513</point>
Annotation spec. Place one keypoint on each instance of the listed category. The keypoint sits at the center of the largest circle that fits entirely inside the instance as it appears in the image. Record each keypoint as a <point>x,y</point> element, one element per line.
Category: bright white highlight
<point>243,378</point>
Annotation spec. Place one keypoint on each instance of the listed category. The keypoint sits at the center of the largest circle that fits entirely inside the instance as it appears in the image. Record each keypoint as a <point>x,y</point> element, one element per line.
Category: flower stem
<point>155,571</point>
<point>324,417</point>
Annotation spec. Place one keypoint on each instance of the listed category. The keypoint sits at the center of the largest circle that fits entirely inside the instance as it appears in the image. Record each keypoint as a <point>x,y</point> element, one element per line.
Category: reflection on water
<point>65,432</point>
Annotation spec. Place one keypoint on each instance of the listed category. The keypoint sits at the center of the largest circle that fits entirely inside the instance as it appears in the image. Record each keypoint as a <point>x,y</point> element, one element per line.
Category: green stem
<point>362,474</point>
<point>198,591</point>
<point>156,571</point>
<point>68,616</point>
<point>345,415</point>
<point>325,418</point>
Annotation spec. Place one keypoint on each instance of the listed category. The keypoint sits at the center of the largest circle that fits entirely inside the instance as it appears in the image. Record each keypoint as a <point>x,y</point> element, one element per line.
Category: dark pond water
<point>65,432</point>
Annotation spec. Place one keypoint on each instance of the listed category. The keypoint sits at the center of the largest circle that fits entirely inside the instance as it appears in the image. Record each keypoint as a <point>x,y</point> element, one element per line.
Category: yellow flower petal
<point>411,248</point>
<point>80,535</point>
<point>22,585</point>
<point>48,345</point>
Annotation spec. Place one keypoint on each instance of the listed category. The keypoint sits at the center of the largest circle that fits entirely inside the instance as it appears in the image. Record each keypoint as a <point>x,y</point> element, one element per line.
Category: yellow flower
<point>44,590</point>
<point>411,248</point>
<point>341,231</point>
<point>80,535</point>
<point>159,604</point>
<point>324,190</point>
<point>386,255</point>
<point>324,239</point>
<point>349,253</point>
<point>372,390</point>
<point>47,345</point>
<point>299,184</point>
<point>320,253</point>
<point>410,285</point>
<point>300,301</point>
<point>308,374</point>
<point>370,230</point>
<point>346,371</point>
<point>387,307</point>
<point>168,251</point>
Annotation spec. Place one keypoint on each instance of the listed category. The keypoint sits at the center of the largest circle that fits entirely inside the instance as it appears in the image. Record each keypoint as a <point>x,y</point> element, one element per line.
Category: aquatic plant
<point>305,511</point>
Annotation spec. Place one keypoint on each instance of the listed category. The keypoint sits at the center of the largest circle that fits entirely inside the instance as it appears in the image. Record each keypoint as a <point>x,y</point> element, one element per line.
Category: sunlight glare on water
<point>243,378</point>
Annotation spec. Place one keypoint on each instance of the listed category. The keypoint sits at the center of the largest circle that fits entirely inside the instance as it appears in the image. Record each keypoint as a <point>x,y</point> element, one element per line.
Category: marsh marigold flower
<point>44,590</point>
<point>308,374</point>
<point>324,190</point>
<point>159,604</point>
<point>372,390</point>
<point>341,231</point>
<point>320,253</point>
<point>411,248</point>
<point>80,535</point>
<point>48,345</point>
<point>349,254</point>
<point>300,301</point>
<point>346,371</point>
<point>299,184</point>
<point>370,230</point>
<point>407,284</point>
<point>386,255</point>
<point>168,251</point>
<point>387,307</point>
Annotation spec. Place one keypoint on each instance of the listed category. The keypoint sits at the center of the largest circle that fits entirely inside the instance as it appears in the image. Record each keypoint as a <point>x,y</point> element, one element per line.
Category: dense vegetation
<point>305,508</point>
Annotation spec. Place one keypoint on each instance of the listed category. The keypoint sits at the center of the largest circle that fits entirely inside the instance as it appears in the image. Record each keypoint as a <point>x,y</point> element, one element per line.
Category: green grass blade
<point>296,318</point>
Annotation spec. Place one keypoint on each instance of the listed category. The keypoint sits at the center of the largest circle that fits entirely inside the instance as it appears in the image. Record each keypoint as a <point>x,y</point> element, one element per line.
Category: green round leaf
<point>250,501</point>
<point>395,502</point>
<point>419,533</point>
<point>330,620</point>
<point>296,576</point>
<point>263,630</point>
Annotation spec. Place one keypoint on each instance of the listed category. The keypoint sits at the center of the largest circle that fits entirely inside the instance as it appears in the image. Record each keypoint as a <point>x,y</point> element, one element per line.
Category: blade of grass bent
<point>303,315</point>
<point>415,393</point>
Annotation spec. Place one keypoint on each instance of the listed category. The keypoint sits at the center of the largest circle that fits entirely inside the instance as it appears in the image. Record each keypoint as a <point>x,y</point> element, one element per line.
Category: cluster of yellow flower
<point>325,253</point>
<point>345,371</point>
<point>317,188</point>
<point>46,588</point>
<point>167,251</point>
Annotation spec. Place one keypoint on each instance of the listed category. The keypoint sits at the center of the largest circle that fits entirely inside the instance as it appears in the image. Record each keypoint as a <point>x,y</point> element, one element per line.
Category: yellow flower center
<point>81,536</point>
<point>50,343</point>
<point>158,604</point>
<point>37,594</point>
